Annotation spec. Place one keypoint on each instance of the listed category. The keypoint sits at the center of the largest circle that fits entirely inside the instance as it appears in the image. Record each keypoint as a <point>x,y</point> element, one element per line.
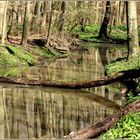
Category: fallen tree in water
<point>95,130</point>
<point>119,77</point>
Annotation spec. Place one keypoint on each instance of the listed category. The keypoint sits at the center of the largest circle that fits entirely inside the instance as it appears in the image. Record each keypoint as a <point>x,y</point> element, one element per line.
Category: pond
<point>43,112</point>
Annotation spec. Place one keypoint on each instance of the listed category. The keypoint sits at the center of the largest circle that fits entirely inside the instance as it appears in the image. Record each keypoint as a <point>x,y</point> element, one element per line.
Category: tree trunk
<point>62,18</point>
<point>133,28</point>
<point>13,29</point>
<point>35,20</point>
<point>26,24</point>
<point>50,22</point>
<point>44,17</point>
<point>97,13</point>
<point>95,130</point>
<point>103,29</point>
<point>4,23</point>
<point>117,13</point>
<point>112,17</point>
<point>121,7</point>
<point>119,77</point>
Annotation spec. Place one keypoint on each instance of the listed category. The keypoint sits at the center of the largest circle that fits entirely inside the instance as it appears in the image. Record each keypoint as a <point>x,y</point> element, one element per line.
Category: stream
<point>43,112</point>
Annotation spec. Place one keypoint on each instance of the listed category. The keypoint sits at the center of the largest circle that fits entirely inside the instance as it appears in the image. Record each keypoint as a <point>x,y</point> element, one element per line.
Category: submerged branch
<point>77,85</point>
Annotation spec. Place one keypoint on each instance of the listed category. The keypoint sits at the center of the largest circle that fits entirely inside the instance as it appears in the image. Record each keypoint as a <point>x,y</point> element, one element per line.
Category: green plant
<point>117,66</point>
<point>128,127</point>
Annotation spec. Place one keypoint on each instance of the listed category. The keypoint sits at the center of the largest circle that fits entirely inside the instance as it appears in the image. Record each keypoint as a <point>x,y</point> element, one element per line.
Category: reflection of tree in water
<point>34,113</point>
<point>103,56</point>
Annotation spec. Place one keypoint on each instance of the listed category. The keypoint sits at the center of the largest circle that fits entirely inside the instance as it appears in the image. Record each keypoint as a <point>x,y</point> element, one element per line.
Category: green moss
<point>127,127</point>
<point>122,65</point>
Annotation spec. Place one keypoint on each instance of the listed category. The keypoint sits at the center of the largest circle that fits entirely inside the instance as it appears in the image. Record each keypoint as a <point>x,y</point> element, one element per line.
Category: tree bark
<point>35,20</point>
<point>50,23</point>
<point>119,77</point>
<point>133,28</point>
<point>96,129</point>
<point>44,17</point>
<point>26,24</point>
<point>4,23</point>
<point>62,18</point>
<point>103,29</point>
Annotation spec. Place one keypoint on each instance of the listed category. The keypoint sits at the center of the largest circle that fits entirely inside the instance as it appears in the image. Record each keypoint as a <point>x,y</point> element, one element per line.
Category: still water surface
<point>37,112</point>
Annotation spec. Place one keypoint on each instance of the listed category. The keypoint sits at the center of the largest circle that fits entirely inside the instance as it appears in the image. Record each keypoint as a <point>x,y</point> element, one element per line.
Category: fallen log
<point>95,130</point>
<point>77,85</point>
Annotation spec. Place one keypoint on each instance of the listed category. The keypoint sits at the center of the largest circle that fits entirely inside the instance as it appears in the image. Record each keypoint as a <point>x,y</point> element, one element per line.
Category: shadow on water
<point>36,112</point>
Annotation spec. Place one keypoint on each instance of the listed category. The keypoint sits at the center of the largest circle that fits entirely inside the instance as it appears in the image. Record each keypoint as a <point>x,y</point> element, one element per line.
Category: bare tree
<point>26,24</point>
<point>103,29</point>
<point>61,18</point>
<point>35,20</point>
<point>44,17</point>
<point>4,23</point>
<point>133,28</point>
<point>50,22</point>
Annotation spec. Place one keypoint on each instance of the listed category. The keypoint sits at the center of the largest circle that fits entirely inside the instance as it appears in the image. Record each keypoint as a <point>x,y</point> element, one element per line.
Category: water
<point>42,112</point>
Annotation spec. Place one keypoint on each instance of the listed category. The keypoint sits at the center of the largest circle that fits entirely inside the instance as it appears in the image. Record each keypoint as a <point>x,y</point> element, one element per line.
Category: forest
<point>70,69</point>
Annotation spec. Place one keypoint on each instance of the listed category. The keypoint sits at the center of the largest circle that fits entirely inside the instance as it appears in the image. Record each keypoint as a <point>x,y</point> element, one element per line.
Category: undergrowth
<point>128,127</point>
<point>122,65</point>
<point>91,33</point>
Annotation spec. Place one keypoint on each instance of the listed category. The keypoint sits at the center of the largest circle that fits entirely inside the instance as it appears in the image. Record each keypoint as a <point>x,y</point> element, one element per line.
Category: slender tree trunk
<point>44,17</point>
<point>35,20</point>
<point>97,13</point>
<point>117,13</point>
<point>122,5</point>
<point>128,35</point>
<point>4,24</point>
<point>133,28</point>
<point>61,18</point>
<point>50,22</point>
<point>26,24</point>
<point>112,18</point>
<point>103,29</point>
<point>14,20</point>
